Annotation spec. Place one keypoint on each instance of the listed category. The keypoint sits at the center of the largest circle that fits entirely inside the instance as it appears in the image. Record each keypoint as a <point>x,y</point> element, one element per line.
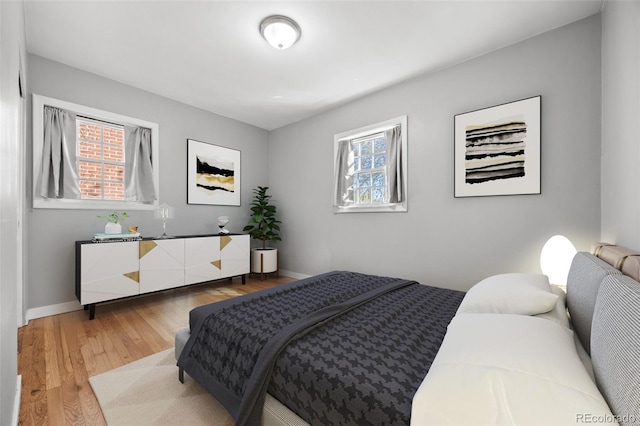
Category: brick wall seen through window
<point>101,160</point>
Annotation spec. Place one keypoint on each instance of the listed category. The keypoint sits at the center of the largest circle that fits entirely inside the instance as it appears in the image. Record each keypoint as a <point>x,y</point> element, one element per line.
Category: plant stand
<point>265,259</point>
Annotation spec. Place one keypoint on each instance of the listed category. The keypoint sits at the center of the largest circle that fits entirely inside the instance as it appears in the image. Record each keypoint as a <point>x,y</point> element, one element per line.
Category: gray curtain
<point>343,179</point>
<point>394,165</point>
<point>59,173</point>
<point>138,173</point>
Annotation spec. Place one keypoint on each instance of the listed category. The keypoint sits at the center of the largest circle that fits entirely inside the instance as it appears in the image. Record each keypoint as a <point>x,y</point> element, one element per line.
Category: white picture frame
<point>497,150</point>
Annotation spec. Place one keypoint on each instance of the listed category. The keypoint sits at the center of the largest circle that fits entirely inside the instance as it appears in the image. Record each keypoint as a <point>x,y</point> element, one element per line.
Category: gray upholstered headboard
<point>604,305</point>
<point>583,282</point>
<point>615,346</point>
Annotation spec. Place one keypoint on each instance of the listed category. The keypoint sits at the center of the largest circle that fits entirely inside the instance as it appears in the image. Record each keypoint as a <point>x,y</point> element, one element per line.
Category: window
<point>85,158</point>
<point>101,160</point>
<point>370,168</point>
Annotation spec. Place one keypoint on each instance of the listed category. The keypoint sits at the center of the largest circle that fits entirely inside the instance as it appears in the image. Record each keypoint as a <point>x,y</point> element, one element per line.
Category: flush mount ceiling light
<point>279,31</point>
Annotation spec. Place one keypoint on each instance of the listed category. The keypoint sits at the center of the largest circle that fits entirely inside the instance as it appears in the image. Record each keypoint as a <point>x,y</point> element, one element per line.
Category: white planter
<point>264,261</point>
<point>112,228</point>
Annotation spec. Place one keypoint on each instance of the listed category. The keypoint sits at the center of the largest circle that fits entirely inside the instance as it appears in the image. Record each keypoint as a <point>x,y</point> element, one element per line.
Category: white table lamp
<point>164,212</point>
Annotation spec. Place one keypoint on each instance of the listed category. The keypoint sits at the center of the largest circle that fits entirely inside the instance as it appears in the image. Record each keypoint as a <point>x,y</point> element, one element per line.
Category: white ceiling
<point>210,54</point>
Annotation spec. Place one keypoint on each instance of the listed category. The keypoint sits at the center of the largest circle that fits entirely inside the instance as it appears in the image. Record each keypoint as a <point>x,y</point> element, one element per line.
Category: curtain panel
<point>343,179</point>
<point>138,174</point>
<point>394,165</point>
<point>59,173</point>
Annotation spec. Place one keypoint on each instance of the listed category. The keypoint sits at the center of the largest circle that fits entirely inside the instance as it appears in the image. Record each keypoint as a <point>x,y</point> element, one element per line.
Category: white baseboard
<point>16,404</point>
<point>60,308</point>
<point>292,274</point>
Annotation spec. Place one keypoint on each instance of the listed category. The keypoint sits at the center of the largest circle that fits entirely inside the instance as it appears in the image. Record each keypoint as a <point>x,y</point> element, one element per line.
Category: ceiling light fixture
<point>279,31</point>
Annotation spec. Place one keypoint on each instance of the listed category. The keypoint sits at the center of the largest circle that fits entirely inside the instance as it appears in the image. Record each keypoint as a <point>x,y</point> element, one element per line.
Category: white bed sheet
<point>508,369</point>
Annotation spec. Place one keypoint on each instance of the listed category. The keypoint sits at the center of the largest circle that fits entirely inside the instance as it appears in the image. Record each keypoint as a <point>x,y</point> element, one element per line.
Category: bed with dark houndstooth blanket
<point>337,348</point>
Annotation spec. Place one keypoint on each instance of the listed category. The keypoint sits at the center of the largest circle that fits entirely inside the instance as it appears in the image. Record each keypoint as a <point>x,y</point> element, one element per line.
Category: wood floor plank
<point>122,343</point>
<point>129,321</point>
<point>25,357</point>
<point>71,406</point>
<point>51,353</point>
<point>68,344</point>
<point>55,408</point>
<point>58,354</point>
<point>108,344</point>
<point>80,374</point>
<point>38,369</point>
<point>98,360</point>
<point>38,414</point>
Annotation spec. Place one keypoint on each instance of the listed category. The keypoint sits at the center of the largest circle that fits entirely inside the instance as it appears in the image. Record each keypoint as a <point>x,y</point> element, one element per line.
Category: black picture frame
<point>213,174</point>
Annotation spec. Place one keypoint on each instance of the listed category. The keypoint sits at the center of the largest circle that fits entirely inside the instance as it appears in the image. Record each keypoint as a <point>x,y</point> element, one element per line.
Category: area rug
<point>148,391</point>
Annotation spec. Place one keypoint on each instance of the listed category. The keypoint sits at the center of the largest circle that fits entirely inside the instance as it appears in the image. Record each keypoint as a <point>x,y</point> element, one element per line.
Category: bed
<point>350,348</point>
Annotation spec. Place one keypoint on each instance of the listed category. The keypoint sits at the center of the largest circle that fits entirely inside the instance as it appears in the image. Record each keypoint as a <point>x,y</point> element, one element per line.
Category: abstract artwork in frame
<point>497,150</point>
<point>213,174</point>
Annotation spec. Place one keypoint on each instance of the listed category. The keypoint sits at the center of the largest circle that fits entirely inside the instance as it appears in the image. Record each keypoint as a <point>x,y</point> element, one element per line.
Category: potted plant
<point>113,226</point>
<point>263,225</point>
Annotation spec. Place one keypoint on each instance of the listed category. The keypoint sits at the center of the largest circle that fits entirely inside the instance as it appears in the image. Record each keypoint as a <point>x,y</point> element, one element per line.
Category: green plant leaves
<point>114,217</point>
<point>263,224</point>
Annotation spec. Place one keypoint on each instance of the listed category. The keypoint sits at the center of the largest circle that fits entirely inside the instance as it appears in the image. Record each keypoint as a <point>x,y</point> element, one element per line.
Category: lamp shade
<point>280,32</point>
<point>164,211</point>
<point>556,257</point>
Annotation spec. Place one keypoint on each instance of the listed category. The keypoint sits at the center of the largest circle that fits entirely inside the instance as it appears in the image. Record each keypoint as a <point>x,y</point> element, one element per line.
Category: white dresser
<point>112,270</point>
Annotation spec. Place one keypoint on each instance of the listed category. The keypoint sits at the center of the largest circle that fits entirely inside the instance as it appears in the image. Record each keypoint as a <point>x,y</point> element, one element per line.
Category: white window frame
<point>40,202</point>
<point>371,130</point>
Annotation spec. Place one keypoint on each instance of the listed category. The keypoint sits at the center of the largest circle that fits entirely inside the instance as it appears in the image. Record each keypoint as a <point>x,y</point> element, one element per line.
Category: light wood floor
<point>58,354</point>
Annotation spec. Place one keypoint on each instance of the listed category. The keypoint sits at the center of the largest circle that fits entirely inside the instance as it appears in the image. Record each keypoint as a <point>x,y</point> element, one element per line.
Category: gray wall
<point>51,233</point>
<point>12,52</point>
<point>442,240</point>
<point>621,123</point>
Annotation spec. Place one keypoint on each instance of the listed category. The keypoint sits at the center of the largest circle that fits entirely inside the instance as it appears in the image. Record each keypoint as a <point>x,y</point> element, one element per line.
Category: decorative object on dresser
<point>497,150</point>
<point>213,174</point>
<point>113,222</point>
<point>164,212</point>
<point>263,225</point>
<point>114,270</point>
<point>222,222</point>
<point>112,238</point>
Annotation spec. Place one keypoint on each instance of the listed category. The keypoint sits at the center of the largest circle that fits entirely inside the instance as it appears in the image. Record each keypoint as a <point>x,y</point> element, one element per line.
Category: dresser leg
<point>92,311</point>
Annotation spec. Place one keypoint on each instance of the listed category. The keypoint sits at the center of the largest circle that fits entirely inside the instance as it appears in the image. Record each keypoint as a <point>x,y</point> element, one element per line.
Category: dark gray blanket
<point>338,348</point>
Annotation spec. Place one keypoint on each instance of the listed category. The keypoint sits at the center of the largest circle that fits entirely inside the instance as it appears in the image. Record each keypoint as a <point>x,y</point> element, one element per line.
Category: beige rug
<point>148,392</point>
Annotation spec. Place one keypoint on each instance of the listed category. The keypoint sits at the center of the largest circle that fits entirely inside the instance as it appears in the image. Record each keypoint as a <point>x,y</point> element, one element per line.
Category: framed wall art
<point>497,150</point>
<point>213,174</point>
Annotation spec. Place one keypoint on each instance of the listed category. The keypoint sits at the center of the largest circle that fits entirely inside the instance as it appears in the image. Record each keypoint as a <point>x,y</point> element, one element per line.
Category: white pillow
<point>517,293</point>
<point>559,313</point>
<point>508,369</point>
